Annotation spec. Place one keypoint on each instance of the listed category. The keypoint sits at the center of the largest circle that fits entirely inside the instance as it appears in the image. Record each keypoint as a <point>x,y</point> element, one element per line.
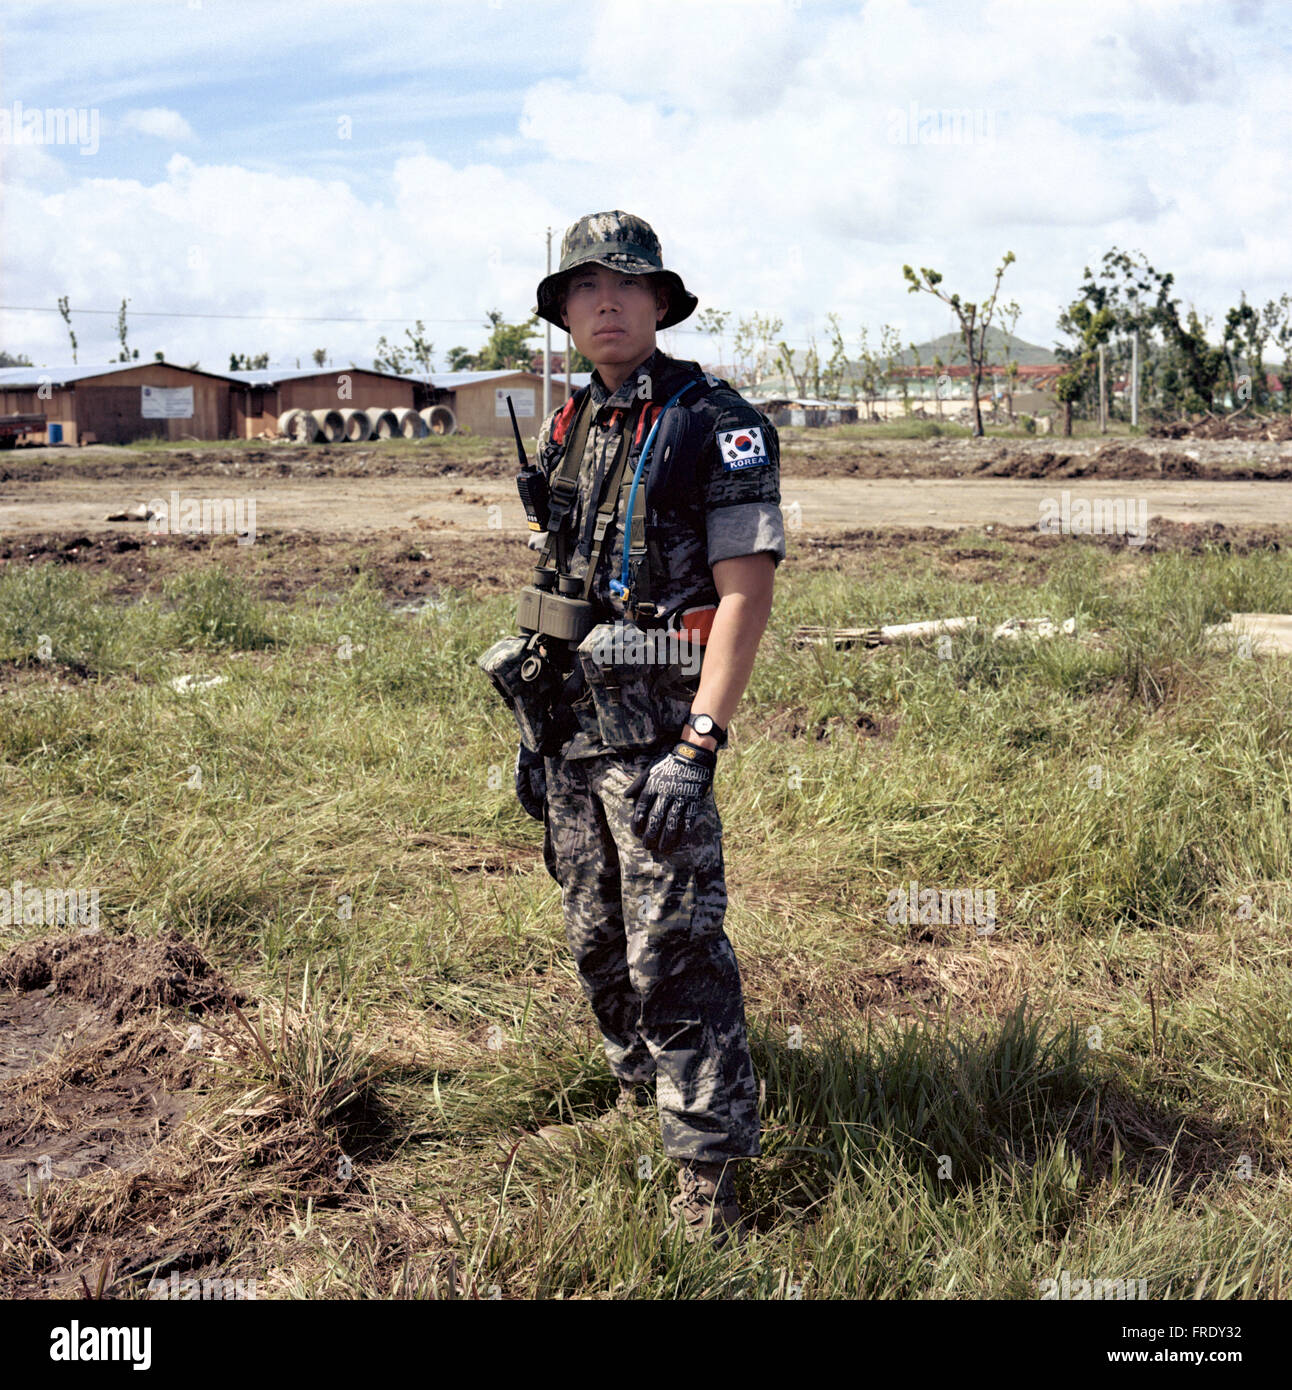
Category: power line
<point>288,318</point>
<point>257,318</point>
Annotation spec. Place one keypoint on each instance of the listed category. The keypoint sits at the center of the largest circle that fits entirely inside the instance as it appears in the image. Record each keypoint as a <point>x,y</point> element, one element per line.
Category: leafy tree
<point>1009,364</point>
<point>713,323</point>
<point>402,360</point>
<point>460,360</point>
<point>836,368</point>
<point>1091,327</point>
<point>21,360</point>
<point>507,344</point>
<point>785,361</point>
<point>890,345</point>
<point>975,319</point>
<point>1246,333</point>
<point>753,348</point>
<point>1277,317</point>
<point>121,335</point>
<point>240,362</point>
<point>871,376</point>
<point>67,319</point>
<point>1135,293</point>
<point>320,356</point>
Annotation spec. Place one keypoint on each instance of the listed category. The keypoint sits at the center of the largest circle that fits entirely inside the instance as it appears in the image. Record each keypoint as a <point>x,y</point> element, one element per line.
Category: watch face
<point>702,724</point>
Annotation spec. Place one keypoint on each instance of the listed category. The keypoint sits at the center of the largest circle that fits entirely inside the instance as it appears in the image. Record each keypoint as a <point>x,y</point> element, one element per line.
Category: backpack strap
<point>564,488</point>
<point>634,585</point>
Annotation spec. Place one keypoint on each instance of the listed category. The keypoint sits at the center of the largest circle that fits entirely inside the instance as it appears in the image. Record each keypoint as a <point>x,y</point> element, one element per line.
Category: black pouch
<point>617,663</point>
<point>526,681</point>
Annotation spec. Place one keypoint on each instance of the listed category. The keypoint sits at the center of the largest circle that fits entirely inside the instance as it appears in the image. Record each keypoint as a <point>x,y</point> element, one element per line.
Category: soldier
<point>632,832</point>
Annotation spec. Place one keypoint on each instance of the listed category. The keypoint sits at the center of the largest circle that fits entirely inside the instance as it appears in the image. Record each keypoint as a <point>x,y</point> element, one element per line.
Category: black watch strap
<point>714,732</point>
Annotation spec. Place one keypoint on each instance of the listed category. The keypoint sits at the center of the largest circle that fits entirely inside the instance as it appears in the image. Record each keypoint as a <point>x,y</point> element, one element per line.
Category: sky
<point>255,166</point>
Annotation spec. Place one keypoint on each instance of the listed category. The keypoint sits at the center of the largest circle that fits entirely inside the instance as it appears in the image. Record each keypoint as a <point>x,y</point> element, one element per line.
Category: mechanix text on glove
<point>670,793</point>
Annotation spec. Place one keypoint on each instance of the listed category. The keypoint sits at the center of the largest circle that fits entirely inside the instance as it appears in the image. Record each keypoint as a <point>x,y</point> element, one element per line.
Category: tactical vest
<point>559,605</point>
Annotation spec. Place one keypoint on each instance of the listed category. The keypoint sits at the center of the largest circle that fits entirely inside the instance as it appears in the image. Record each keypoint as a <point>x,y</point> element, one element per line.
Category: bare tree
<point>974,319</point>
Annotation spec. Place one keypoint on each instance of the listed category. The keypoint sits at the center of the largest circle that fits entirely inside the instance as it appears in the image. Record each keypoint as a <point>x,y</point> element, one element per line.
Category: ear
<point>661,302</point>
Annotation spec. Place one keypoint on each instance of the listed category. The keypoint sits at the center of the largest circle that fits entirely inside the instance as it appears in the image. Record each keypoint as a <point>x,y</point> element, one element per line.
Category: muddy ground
<point>804,454</point>
<point>283,565</point>
<point>97,1061</point>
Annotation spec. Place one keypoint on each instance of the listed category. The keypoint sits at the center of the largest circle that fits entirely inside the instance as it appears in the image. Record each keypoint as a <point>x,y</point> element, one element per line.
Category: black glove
<point>669,795</point>
<point>531,782</point>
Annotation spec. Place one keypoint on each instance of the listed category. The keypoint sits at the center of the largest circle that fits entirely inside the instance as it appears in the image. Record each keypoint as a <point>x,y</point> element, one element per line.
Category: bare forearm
<point>738,627</point>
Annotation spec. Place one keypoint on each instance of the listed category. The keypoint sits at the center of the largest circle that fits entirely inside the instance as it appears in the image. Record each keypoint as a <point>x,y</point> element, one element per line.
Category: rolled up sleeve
<point>743,487</point>
<point>746,528</point>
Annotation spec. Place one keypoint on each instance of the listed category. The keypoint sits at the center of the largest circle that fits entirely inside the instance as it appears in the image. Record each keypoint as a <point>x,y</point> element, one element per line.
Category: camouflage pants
<point>653,960</point>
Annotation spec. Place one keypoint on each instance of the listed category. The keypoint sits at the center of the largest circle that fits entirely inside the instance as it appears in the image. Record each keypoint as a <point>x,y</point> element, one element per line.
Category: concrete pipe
<point>358,427</point>
<point>440,419</point>
<point>331,425</point>
<point>298,425</point>
<point>410,424</point>
<point>384,424</point>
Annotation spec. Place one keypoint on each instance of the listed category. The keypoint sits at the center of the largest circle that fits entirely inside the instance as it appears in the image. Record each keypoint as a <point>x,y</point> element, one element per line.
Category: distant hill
<point>950,347</point>
<point>998,343</point>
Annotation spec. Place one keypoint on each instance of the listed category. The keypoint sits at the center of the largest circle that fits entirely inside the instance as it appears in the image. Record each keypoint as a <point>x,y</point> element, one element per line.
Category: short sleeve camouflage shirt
<point>711,489</point>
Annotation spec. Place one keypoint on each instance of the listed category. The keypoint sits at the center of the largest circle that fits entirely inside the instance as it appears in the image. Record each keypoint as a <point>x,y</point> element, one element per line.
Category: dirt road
<point>456,506</point>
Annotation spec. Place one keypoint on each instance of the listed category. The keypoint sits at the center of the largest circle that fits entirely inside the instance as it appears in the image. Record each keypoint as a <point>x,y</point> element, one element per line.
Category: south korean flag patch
<point>741,449</point>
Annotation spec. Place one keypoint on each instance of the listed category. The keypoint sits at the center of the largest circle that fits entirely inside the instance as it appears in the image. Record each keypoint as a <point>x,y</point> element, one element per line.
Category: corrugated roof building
<point>119,402</point>
<point>479,399</point>
<point>262,395</point>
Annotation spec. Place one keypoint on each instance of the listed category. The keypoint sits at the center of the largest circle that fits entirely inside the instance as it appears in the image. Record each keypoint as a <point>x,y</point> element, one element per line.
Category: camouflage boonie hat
<point>619,241</point>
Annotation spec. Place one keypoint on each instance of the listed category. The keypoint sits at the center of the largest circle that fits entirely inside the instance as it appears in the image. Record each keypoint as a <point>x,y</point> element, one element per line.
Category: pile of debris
<point>1271,428</point>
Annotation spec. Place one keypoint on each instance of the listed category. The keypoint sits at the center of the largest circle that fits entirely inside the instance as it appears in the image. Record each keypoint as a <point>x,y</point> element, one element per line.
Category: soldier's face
<point>612,317</point>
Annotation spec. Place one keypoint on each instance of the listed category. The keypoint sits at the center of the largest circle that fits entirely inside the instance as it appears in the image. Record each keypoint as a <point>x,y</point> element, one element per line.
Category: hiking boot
<point>707,1204</point>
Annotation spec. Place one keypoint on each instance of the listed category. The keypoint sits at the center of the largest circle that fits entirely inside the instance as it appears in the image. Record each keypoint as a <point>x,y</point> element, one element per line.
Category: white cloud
<point>160,121</point>
<point>757,139</point>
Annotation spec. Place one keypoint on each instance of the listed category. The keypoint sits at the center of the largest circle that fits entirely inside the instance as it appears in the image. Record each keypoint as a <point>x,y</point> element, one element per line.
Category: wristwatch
<point>704,725</point>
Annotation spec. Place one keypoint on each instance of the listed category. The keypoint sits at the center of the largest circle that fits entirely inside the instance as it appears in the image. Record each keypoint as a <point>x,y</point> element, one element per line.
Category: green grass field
<point>1102,1084</point>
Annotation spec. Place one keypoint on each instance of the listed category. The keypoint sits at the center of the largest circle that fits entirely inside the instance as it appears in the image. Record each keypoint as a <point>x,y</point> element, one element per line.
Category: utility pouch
<point>554,615</point>
<point>526,681</point>
<point>615,659</point>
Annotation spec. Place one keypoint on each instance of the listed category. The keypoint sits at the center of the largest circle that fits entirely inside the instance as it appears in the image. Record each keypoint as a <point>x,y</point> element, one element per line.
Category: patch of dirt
<point>122,975</point>
<point>483,459</point>
<point>92,1076</point>
<point>284,564</point>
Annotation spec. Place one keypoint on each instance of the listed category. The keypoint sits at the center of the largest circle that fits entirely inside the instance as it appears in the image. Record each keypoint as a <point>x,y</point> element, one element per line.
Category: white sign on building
<point>167,402</point>
<point>522,402</point>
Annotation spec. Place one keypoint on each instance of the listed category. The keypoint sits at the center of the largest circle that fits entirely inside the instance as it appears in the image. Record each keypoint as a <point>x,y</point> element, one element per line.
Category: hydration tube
<point>619,587</point>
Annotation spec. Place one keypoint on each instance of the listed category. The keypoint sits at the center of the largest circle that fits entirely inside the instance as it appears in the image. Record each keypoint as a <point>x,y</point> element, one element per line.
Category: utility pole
<point>547,344</point>
<point>1103,408</point>
<point>1135,378</point>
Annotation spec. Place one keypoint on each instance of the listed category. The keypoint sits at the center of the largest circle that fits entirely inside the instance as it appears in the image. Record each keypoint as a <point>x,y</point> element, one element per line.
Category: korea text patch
<point>742,448</point>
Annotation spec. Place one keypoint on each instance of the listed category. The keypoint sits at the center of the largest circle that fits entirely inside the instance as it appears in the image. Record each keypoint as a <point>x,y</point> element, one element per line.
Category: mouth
<point>609,333</point>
